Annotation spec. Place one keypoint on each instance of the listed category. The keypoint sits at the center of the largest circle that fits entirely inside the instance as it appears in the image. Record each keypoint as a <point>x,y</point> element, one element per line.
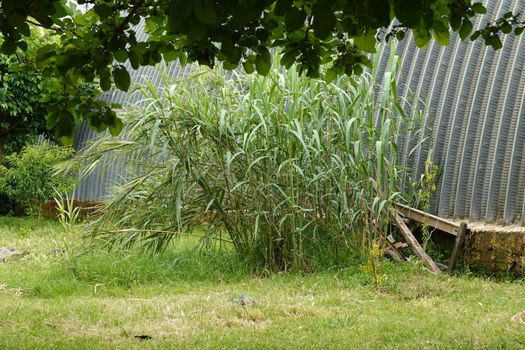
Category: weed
<point>68,213</point>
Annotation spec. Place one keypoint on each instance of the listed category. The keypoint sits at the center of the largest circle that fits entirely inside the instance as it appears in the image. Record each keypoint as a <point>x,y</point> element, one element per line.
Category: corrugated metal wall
<point>98,184</point>
<point>474,98</point>
<point>475,101</point>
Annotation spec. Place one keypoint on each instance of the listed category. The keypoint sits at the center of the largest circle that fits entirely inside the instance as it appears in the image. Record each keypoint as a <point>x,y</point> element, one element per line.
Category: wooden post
<point>413,243</point>
<point>460,239</point>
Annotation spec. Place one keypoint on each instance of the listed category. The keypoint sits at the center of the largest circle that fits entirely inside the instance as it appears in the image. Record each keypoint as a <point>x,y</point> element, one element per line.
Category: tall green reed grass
<point>291,171</point>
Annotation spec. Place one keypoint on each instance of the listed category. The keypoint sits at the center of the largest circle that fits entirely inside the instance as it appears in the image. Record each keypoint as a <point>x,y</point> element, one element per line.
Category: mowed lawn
<point>65,296</point>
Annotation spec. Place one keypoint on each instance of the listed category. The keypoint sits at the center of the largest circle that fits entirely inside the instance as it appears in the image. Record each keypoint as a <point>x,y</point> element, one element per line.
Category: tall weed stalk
<point>292,171</point>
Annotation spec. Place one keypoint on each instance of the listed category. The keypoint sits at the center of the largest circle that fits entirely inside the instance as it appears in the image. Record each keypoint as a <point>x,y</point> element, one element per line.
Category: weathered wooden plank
<point>393,251</point>
<point>397,245</point>
<point>400,245</point>
<point>458,245</point>
<point>413,243</point>
<point>396,256</point>
<point>428,219</point>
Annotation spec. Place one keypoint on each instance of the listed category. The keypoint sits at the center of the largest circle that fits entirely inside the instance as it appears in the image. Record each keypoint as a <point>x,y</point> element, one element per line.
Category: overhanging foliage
<point>98,36</point>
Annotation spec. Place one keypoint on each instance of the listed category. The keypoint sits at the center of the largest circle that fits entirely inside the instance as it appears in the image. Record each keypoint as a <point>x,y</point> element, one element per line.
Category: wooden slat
<point>428,219</point>
<point>413,243</point>
<point>395,255</point>
<point>393,251</point>
<point>460,238</point>
<point>400,245</point>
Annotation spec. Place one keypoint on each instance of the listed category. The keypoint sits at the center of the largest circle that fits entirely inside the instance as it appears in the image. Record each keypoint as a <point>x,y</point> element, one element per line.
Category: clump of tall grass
<point>292,171</point>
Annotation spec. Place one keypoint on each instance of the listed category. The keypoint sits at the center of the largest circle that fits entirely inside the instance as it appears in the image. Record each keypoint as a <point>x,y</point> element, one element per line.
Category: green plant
<point>293,171</point>
<point>68,213</point>
<point>374,262</point>
<point>29,177</point>
<point>425,188</point>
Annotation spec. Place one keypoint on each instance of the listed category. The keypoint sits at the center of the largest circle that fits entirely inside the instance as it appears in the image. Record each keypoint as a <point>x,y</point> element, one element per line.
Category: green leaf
<point>105,83</point>
<point>59,10</point>
<point>409,12</point>
<point>248,67</point>
<point>121,77</point>
<point>330,75</point>
<point>52,118</point>
<point>116,127</point>
<point>479,8</point>
<point>228,65</point>
<point>400,35</point>
<point>506,28</point>
<point>8,47</point>
<point>288,58</point>
<point>441,33</point>
<point>103,10</point>
<point>67,140</point>
<point>518,30</point>
<point>475,35</point>
<point>134,59</point>
<point>323,22</point>
<point>263,61</point>
<point>421,37</point>
<point>465,29</point>
<point>495,42</point>
<point>24,29</point>
<point>282,7</point>
<point>294,19</point>
<point>170,55</point>
<point>180,9</point>
<point>455,22</point>
<point>366,42</point>
<point>205,11</point>
<point>65,126</point>
<point>22,45</point>
<point>442,38</point>
<point>121,56</point>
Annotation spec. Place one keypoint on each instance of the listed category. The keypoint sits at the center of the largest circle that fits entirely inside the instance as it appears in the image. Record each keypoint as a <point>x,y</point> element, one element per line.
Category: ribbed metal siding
<point>476,107</point>
<point>97,186</point>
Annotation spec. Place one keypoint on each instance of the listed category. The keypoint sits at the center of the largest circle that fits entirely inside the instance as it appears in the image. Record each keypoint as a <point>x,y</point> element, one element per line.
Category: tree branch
<point>56,29</point>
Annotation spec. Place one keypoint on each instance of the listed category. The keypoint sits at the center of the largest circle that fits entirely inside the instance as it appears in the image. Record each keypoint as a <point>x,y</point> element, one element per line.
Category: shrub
<point>29,179</point>
<point>294,172</point>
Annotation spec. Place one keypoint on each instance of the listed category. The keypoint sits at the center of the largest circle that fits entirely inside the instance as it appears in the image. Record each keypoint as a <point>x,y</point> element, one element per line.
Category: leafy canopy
<point>26,96</point>
<point>96,37</point>
<point>21,115</point>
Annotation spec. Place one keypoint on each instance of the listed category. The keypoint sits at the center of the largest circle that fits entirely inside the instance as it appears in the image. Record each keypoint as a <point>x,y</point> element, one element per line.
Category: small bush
<point>29,179</point>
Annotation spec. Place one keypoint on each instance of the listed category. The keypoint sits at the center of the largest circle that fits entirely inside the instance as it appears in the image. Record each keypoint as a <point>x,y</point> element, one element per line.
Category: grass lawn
<point>94,299</point>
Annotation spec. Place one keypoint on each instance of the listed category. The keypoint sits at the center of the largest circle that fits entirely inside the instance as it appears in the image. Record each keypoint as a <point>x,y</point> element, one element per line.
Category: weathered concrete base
<point>496,248</point>
<point>488,248</point>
